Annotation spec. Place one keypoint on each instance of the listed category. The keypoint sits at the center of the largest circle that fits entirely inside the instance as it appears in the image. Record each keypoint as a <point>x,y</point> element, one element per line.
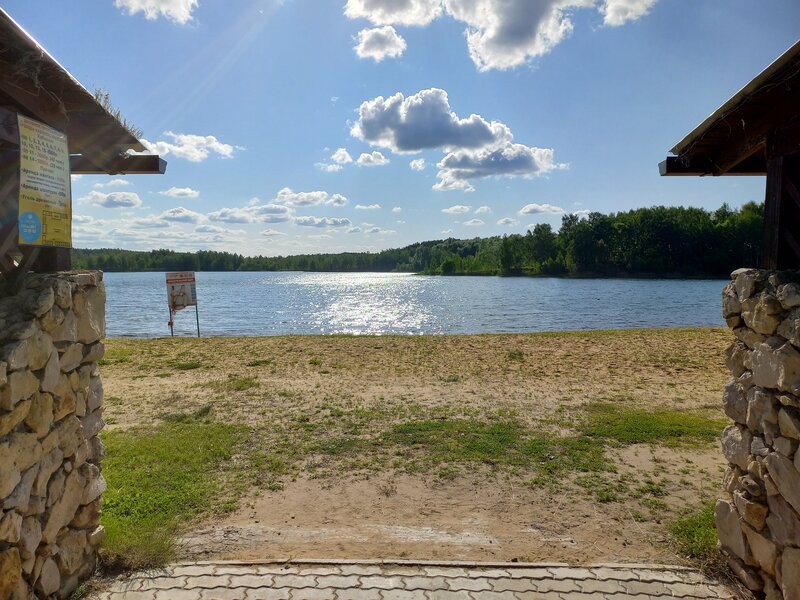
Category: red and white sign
<point>181,290</point>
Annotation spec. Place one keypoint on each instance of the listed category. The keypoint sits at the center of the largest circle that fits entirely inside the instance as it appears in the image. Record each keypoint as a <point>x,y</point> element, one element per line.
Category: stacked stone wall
<point>51,399</point>
<point>759,523</point>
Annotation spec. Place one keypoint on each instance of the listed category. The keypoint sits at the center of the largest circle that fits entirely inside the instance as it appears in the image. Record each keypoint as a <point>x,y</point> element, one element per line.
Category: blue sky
<point>334,125</point>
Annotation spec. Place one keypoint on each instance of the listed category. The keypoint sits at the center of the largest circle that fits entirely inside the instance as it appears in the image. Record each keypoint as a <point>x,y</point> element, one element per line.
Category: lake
<point>391,303</point>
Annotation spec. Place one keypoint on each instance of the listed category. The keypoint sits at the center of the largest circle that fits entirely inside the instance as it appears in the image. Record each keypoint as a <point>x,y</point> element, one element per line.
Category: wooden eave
<point>759,120</point>
<point>34,83</point>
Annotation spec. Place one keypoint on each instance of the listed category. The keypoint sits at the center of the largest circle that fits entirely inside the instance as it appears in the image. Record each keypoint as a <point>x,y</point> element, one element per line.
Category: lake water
<point>377,303</point>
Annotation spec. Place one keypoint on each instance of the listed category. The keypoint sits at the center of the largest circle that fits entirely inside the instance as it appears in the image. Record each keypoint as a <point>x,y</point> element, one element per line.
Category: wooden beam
<point>687,166</point>
<point>772,212</point>
<point>122,164</point>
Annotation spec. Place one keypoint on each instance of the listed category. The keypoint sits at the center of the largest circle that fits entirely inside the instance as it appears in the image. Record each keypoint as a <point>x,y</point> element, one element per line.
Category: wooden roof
<point>734,139</point>
<point>34,83</point>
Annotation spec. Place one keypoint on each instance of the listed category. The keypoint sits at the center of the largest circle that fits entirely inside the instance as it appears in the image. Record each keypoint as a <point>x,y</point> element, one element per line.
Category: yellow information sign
<point>45,196</point>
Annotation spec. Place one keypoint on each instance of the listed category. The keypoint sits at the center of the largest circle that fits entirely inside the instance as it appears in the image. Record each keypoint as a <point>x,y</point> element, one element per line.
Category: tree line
<point>657,241</point>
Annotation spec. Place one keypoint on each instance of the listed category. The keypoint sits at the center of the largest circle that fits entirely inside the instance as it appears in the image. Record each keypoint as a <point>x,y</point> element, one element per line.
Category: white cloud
<point>582,213</point>
<point>506,221</point>
<point>354,230</point>
<point>474,223</point>
<point>113,183</point>
<point>535,209</point>
<point>512,160</point>
<point>367,206</point>
<point>379,230</point>
<point>501,34</point>
<point>397,209</point>
<point>341,157</point>
<point>151,222</point>
<point>184,192</point>
<point>483,210</point>
<point>619,12</point>
<point>418,164</point>
<point>322,221</point>
<point>112,199</point>
<point>424,120</point>
<point>328,168</point>
<point>396,12</point>
<point>476,148</point>
<point>379,43</point>
<point>400,222</point>
<point>457,209</point>
<point>447,231</point>
<point>219,230</point>
<point>182,215</point>
<point>373,159</point>
<point>272,233</point>
<point>194,148</point>
<point>262,213</point>
<point>179,11</point>
<point>289,197</point>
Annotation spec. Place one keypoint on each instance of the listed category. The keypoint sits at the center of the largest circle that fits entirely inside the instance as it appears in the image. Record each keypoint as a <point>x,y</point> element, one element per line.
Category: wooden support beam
<point>683,166</point>
<point>122,164</point>
<point>772,212</point>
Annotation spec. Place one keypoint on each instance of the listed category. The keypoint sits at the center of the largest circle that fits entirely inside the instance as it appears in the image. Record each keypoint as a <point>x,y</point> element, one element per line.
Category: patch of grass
<point>233,384</point>
<point>696,536</point>
<point>636,426</point>
<point>450,378</point>
<point>315,362</point>
<point>261,362</point>
<point>115,355</point>
<point>517,355</point>
<point>455,440</point>
<point>160,479</point>
<point>185,366</point>
<point>198,415</point>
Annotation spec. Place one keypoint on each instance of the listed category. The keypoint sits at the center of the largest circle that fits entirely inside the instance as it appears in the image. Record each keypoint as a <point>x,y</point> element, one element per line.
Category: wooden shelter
<point>756,132</point>
<point>35,85</point>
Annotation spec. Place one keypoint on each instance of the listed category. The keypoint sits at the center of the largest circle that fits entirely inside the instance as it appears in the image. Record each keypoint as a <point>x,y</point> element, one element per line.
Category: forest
<point>645,242</point>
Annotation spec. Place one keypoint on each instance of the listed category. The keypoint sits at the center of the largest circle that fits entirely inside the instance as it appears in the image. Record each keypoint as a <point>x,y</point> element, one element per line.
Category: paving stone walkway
<point>411,580</point>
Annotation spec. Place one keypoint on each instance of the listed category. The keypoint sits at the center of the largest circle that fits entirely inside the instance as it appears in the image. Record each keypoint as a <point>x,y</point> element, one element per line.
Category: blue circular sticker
<point>30,227</point>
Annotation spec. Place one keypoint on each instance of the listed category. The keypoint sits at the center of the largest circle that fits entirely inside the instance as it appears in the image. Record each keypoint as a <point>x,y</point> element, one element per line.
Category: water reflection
<point>373,303</point>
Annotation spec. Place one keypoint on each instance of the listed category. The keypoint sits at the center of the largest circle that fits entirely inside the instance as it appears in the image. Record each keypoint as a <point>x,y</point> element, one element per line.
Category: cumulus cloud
<point>262,213</point>
<point>379,230</point>
<point>536,209</point>
<point>423,120</point>
<point>184,192</point>
<point>379,43</point>
<point>341,157</point>
<point>396,12</point>
<point>272,233</point>
<point>328,168</point>
<point>182,215</point>
<point>322,221</point>
<point>289,197</point>
<point>474,223</point>
<point>447,231</point>
<point>194,148</point>
<point>500,34</point>
<point>506,221</point>
<point>512,160</point>
<point>418,164</point>
<point>367,206</point>
<point>619,12</point>
<point>483,210</point>
<point>397,209</point>
<point>354,230</point>
<point>151,222</point>
<point>112,199</point>
<point>457,209</point>
<point>372,159</point>
<point>224,231</point>
<point>476,148</point>
<point>113,183</point>
<point>582,213</point>
<point>179,11</point>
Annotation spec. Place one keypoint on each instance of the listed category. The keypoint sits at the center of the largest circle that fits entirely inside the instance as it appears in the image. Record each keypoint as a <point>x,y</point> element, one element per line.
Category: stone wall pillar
<point>51,400</point>
<point>759,523</point>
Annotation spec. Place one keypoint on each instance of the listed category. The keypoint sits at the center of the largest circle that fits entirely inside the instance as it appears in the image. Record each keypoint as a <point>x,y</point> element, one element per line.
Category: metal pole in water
<point>197,316</point>
<point>171,330</point>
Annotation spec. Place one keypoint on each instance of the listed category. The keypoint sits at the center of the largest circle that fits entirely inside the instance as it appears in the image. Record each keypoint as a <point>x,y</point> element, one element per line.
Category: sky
<point>300,126</point>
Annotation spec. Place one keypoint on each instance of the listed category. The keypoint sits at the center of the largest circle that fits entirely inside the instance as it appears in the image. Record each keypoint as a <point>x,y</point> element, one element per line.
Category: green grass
<point>696,536</point>
<point>233,384</point>
<point>636,426</point>
<point>185,365</point>
<point>160,478</point>
<point>517,355</point>
<point>261,362</point>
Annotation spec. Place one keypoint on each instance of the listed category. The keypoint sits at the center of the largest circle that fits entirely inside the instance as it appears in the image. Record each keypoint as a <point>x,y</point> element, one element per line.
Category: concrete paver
<point>409,580</point>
